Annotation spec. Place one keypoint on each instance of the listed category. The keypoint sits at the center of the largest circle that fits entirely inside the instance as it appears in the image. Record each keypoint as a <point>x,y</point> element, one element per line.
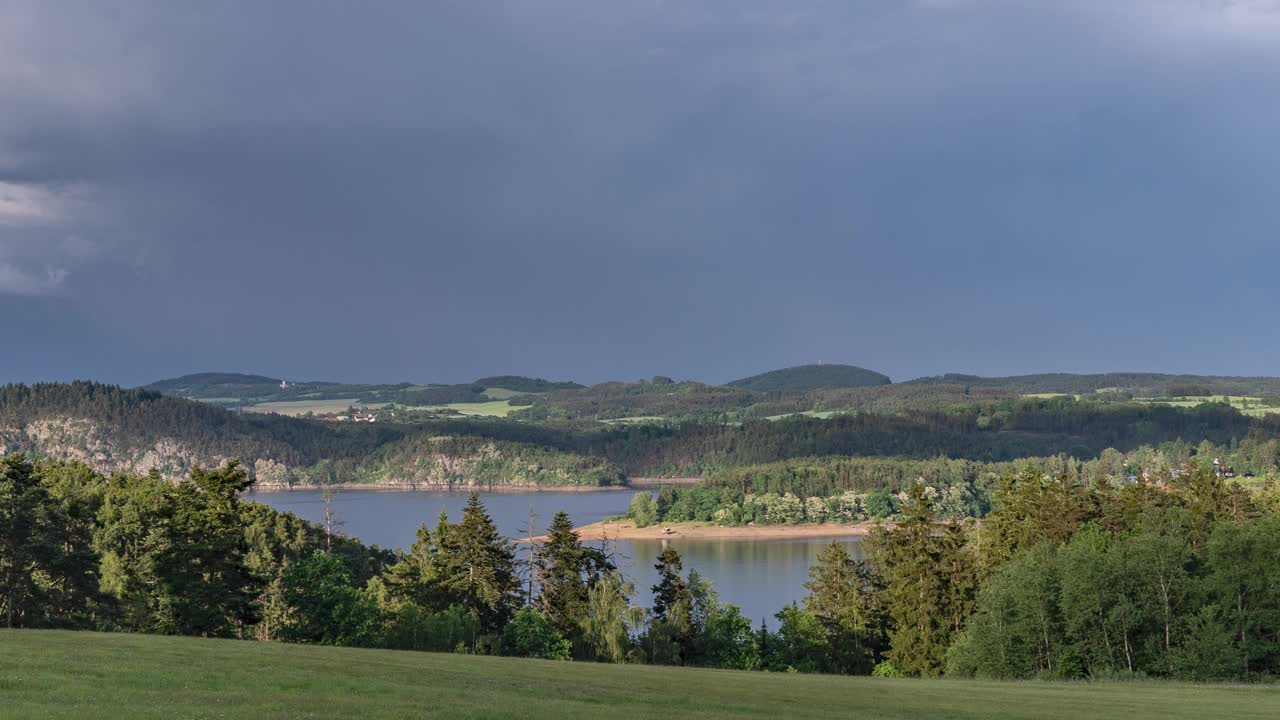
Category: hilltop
<point>811,377</point>
<point>81,674</point>
<point>1135,384</point>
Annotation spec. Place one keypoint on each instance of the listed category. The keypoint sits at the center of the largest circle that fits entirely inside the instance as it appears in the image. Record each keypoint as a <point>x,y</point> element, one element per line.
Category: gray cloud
<point>617,189</point>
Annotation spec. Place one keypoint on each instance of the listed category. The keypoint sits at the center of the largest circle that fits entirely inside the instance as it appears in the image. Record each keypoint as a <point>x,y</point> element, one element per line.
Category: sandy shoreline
<point>425,487</point>
<point>627,530</point>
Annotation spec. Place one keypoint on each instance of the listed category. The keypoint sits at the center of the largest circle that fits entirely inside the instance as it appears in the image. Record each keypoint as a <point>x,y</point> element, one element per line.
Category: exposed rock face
<point>82,440</point>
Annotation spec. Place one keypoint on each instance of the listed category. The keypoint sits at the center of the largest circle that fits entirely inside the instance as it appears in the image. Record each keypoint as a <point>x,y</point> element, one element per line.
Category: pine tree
<point>31,551</point>
<point>565,571</point>
<point>671,632</point>
<point>476,567</point>
<point>199,555</point>
<point>838,599</point>
<point>671,592</point>
<point>909,560</point>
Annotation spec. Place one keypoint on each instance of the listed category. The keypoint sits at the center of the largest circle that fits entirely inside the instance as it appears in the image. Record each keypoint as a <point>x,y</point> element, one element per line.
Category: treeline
<point>125,426</point>
<point>661,398</point>
<point>858,489</point>
<point>136,553</point>
<point>127,423</point>
<point>471,462</point>
<point>1130,384</point>
<point>1026,428</point>
<point>1062,580</point>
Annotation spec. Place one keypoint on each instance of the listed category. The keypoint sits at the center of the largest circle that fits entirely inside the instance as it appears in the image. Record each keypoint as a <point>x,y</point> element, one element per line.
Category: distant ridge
<point>195,382</point>
<point>1137,383</point>
<point>812,377</point>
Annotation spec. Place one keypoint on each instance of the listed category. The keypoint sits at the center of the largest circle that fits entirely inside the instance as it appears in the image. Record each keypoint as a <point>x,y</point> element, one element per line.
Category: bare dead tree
<point>529,570</point>
<point>330,517</point>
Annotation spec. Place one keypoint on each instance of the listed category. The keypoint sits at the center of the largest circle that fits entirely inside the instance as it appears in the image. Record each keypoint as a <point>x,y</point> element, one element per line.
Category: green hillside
<point>1137,384</point>
<point>811,377</point>
<point>49,674</point>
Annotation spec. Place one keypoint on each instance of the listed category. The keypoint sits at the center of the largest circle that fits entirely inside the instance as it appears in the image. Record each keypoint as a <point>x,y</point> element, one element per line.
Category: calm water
<point>760,576</point>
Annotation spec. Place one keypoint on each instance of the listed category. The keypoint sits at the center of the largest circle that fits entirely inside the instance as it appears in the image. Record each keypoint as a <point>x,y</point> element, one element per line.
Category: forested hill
<point>117,430</point>
<point>113,429</point>
<point>811,377</point>
<point>1131,383</point>
<point>201,384</point>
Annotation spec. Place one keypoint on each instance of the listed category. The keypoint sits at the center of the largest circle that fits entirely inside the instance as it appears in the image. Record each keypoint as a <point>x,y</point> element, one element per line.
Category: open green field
<point>502,393</point>
<point>1254,406</point>
<point>319,407</point>
<point>820,414</point>
<point>493,408</point>
<point>53,674</point>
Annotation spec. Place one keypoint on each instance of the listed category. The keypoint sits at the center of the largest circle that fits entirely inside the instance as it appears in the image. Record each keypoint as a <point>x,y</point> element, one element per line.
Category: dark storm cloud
<point>436,191</point>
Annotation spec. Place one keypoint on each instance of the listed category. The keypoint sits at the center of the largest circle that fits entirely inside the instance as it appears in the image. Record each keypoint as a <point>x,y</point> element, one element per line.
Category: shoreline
<point>633,484</point>
<point>434,487</point>
<point>627,530</point>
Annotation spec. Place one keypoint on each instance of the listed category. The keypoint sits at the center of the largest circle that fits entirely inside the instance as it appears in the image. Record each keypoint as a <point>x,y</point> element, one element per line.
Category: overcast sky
<point>435,191</point>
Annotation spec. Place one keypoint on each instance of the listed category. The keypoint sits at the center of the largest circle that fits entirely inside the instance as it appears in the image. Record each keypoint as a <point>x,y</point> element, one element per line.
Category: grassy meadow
<point>319,407</point>
<point>55,674</point>
<point>1255,406</point>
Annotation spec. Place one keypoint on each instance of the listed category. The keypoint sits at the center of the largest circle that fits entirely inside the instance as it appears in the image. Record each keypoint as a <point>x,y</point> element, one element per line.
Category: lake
<point>759,576</point>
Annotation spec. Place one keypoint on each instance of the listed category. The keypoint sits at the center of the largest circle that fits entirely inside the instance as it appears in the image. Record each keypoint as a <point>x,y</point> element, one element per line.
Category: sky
<point>441,190</point>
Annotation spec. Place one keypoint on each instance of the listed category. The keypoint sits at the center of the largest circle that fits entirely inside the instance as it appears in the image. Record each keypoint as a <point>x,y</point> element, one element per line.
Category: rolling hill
<point>811,377</point>
<point>1136,384</point>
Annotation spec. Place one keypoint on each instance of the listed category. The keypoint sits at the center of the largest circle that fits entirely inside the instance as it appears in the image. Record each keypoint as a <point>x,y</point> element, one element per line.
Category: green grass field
<point>1254,406</point>
<point>502,393</point>
<point>319,407</point>
<point>47,674</point>
<point>493,408</point>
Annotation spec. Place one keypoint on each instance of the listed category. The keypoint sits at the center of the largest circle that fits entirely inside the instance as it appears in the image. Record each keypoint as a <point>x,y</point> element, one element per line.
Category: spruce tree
<point>31,547</point>
<point>909,560</point>
<point>838,599</point>
<point>199,556</point>
<point>477,567</point>
<point>565,571</point>
<point>671,592</point>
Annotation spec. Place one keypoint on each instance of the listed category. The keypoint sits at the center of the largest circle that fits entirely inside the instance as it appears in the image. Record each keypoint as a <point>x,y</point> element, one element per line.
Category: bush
<point>530,635</point>
<point>643,510</point>
<point>886,669</point>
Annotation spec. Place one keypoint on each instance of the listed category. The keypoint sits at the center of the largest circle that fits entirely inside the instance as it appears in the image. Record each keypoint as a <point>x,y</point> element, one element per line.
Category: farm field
<point>493,408</point>
<point>58,674</point>
<point>502,393</point>
<point>1254,406</point>
<point>319,407</point>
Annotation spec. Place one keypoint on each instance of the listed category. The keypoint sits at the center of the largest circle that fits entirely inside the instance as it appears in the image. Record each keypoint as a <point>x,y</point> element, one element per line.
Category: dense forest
<point>1130,384</point>
<point>1063,579</point>
<point>140,430</point>
<point>232,389</point>
<point>137,430</point>
<point>811,377</point>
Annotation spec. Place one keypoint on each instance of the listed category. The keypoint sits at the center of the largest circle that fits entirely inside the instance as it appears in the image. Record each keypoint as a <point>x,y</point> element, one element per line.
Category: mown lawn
<point>46,674</point>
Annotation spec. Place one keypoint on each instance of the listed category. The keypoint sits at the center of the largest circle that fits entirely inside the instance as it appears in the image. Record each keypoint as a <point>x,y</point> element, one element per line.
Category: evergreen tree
<point>476,567</point>
<point>671,595</point>
<point>32,558</point>
<point>910,561</point>
<point>671,631</point>
<point>565,571</point>
<point>838,598</point>
<point>199,556</point>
